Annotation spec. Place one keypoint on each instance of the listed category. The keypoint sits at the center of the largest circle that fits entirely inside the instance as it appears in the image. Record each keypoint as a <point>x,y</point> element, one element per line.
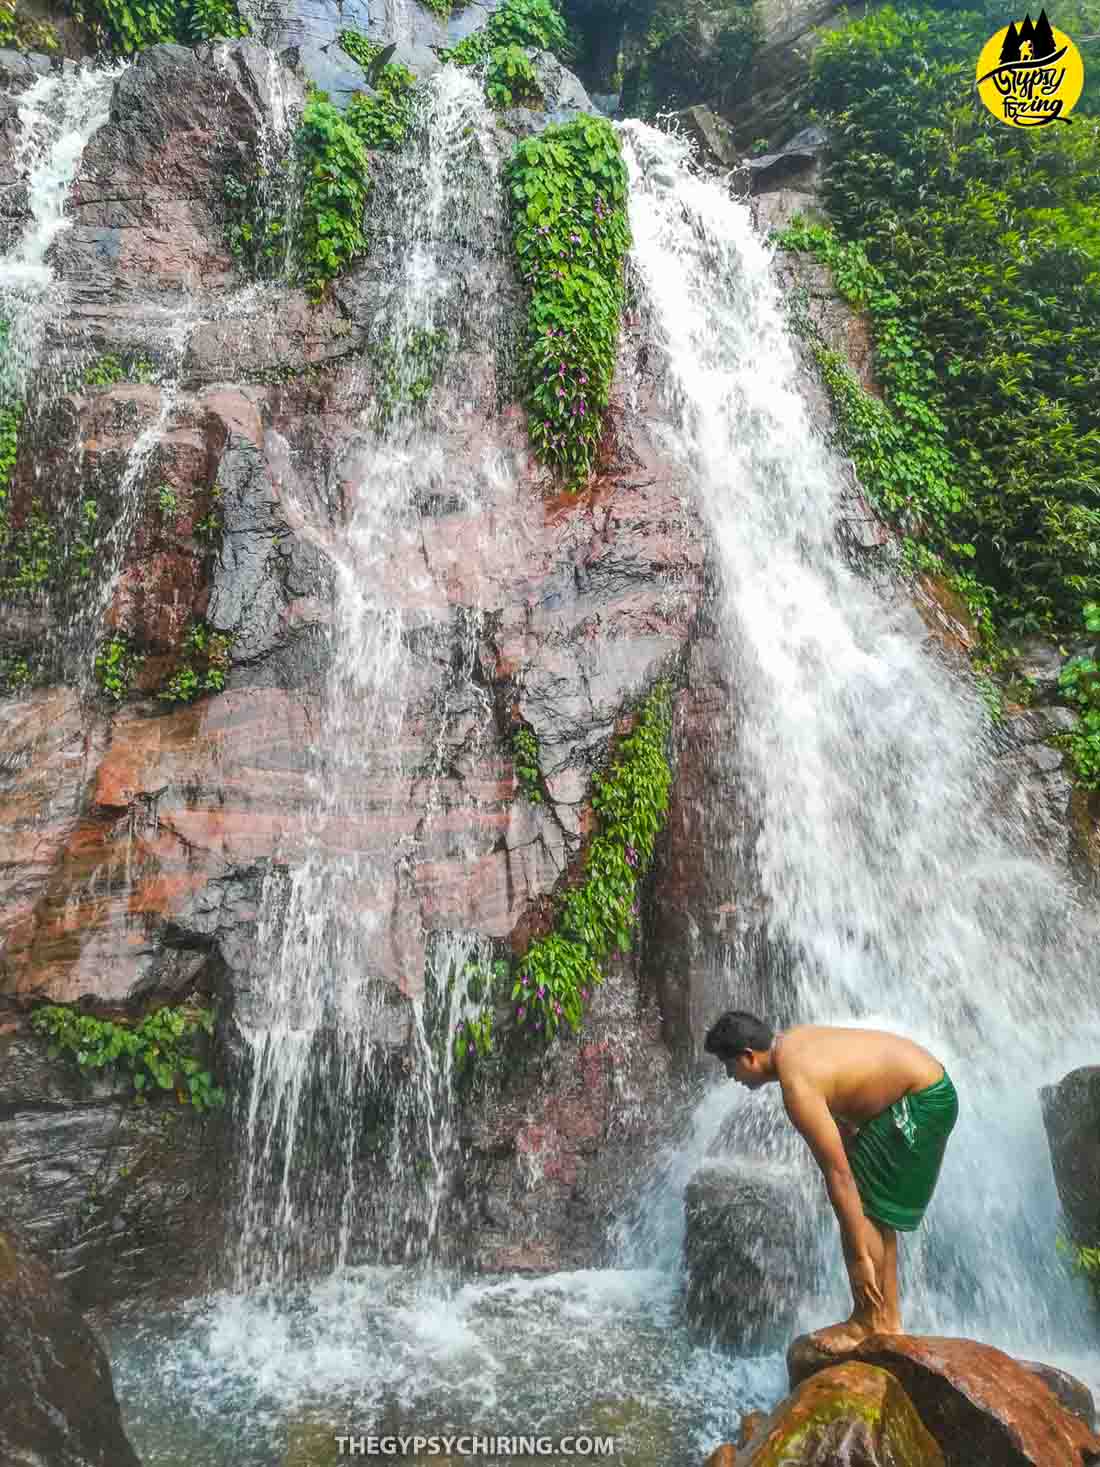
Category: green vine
<point>405,377</point>
<point>25,33</point>
<point>362,51</point>
<point>336,181</point>
<point>535,23</point>
<point>557,975</point>
<point>116,666</point>
<point>568,192</point>
<point>15,674</point>
<point>159,1052</point>
<point>126,26</point>
<point>203,665</point>
<point>383,121</point>
<point>108,371</point>
<point>1079,684</point>
<point>525,748</point>
<point>510,79</point>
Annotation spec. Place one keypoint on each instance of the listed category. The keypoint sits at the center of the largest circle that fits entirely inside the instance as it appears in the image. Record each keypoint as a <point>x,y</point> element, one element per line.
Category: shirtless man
<point>876,1111</point>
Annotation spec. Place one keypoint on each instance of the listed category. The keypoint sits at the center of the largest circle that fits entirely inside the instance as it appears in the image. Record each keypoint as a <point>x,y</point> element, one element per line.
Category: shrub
<point>568,192</point>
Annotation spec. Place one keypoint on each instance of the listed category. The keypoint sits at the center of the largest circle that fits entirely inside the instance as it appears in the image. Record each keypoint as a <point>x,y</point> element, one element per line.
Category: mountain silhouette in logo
<point>1033,41</point>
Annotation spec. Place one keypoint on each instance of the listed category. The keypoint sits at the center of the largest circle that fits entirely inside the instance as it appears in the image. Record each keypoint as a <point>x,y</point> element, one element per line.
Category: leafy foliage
<point>568,192</point>
<point>127,26</point>
<point>116,665</point>
<point>510,78</point>
<point>693,53</point>
<point>20,32</point>
<point>1079,685</point>
<point>15,673</point>
<point>525,23</point>
<point>108,371</point>
<point>987,305</point>
<point>525,748</point>
<point>335,182</point>
<point>362,51</point>
<point>558,973</point>
<point>203,664</point>
<point>159,1053</point>
<point>406,371</point>
<point>383,121</point>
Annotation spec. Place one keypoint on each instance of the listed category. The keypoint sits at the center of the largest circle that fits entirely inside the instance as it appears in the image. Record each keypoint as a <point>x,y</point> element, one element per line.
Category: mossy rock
<point>311,1442</point>
<point>855,1413</point>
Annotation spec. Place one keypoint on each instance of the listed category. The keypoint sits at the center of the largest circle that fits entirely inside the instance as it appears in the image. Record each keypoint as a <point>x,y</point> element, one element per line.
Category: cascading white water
<point>903,898</point>
<point>57,115</point>
<point>335,920</point>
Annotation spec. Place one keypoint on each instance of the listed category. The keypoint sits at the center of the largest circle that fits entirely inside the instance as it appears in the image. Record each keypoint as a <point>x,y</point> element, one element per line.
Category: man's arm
<point>812,1118</point>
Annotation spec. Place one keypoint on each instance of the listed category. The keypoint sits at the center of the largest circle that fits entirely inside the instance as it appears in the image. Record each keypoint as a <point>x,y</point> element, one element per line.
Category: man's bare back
<point>858,1072</point>
<point>875,1110</point>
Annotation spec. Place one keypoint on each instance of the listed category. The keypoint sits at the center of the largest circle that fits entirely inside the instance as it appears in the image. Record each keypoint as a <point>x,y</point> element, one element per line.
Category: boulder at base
<point>57,1401</point>
<point>741,1254</point>
<point>980,1404</point>
<point>853,1414</point>
<point>1071,1114</point>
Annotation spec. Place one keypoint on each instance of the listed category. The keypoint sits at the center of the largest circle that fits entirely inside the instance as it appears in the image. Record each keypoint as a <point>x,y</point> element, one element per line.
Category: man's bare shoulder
<point>856,1070</point>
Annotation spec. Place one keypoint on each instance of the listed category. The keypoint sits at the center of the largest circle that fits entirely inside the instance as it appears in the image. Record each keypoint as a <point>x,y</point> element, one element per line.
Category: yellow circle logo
<point>1030,74</point>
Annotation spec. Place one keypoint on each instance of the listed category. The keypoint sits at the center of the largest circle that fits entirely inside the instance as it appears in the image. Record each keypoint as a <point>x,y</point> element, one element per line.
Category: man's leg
<point>888,1282</point>
<point>863,1320</point>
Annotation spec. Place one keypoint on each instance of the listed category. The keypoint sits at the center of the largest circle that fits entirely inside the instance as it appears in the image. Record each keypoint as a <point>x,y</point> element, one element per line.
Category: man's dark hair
<point>735,1032</point>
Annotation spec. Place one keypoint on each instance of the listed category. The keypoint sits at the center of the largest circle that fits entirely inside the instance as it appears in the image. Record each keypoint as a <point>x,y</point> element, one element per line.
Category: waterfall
<point>341,924</point>
<point>892,894</point>
<point>57,116</point>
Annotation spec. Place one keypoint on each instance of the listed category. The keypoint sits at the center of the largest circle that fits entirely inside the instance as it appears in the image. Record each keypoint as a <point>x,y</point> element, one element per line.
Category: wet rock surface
<point>741,1254</point>
<point>57,1402</point>
<point>1071,1115</point>
<point>855,1414</point>
<point>978,1403</point>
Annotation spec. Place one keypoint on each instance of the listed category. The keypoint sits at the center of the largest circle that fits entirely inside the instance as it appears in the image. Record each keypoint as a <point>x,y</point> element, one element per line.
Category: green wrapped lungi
<point>896,1156</point>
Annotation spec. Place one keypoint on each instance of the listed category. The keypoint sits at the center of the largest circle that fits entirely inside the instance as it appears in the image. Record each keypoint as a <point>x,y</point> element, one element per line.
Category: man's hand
<point>865,1290</point>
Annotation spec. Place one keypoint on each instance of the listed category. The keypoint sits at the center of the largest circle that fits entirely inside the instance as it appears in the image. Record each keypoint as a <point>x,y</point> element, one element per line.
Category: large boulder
<point>1071,1115</point>
<point>57,1402</point>
<point>741,1254</point>
<point>852,1414</point>
<point>981,1405</point>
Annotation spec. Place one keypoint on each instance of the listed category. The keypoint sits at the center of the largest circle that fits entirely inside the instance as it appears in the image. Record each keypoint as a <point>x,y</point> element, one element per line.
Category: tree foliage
<point>987,238</point>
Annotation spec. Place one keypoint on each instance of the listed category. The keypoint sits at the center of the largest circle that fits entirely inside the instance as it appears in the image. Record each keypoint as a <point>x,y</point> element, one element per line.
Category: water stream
<point>888,894</point>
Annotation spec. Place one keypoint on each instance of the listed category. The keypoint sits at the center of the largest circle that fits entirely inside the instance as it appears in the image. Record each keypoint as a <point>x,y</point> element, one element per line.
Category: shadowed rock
<point>57,1401</point>
<point>1071,1115</point>
<point>741,1255</point>
<point>851,1414</point>
<point>981,1405</point>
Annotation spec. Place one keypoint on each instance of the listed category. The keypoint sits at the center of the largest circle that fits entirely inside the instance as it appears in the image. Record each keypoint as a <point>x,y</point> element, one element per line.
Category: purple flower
<point>584,993</point>
<point>459,1027</point>
<point>575,238</point>
<point>561,391</point>
<point>542,990</point>
<point>631,856</point>
<point>524,979</point>
<point>469,1049</point>
<point>520,1012</point>
<point>582,379</point>
<point>634,909</point>
<point>561,369</point>
<point>557,1008</point>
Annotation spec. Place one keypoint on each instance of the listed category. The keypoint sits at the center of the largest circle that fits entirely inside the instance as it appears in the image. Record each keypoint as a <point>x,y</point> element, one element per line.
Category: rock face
<point>140,837</point>
<point>741,1254</point>
<point>978,1403</point>
<point>57,1403</point>
<point>1071,1115</point>
<point>855,1414</point>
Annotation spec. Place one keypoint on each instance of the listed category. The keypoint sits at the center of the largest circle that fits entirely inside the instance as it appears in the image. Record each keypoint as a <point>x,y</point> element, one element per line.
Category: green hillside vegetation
<point>984,291</point>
